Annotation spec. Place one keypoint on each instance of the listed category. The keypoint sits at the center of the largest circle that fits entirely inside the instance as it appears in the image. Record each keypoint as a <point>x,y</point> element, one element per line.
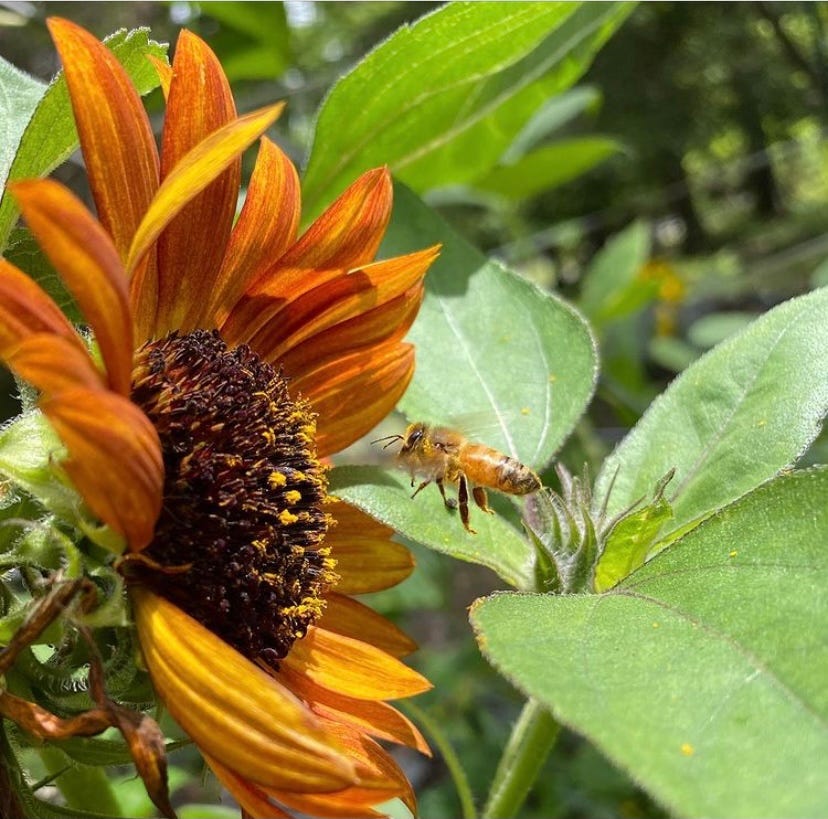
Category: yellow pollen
<point>286,517</point>
<point>270,436</point>
<point>293,496</point>
<point>687,749</point>
<point>276,479</point>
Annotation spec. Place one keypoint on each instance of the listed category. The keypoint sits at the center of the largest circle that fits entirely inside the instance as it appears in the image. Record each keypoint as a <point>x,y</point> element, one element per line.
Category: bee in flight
<point>441,454</point>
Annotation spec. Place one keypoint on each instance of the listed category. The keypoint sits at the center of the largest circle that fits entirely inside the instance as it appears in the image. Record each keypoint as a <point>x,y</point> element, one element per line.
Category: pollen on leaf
<point>687,749</point>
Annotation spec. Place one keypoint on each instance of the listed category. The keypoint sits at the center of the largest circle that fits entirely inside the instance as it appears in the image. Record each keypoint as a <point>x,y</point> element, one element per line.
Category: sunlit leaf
<point>440,101</point>
<point>425,519</point>
<point>703,673</point>
<point>550,117</point>
<point>50,136</point>
<point>548,167</point>
<point>732,419</point>
<point>490,343</point>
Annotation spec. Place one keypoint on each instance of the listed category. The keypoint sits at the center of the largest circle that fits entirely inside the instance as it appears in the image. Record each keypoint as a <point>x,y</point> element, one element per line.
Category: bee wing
<point>495,429</point>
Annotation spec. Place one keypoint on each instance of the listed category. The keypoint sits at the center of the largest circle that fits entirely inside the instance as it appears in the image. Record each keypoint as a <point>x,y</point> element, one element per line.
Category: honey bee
<point>440,454</point>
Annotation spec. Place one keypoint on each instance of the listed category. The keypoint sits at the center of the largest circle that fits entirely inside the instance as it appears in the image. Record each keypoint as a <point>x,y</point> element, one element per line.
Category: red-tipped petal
<point>388,322</point>
<point>194,172</point>
<point>354,393</point>
<point>115,134</point>
<point>26,308</point>
<point>350,294</point>
<point>346,236</point>
<point>191,248</point>
<point>266,226</point>
<point>53,364</point>
<point>83,253</point>
<point>115,459</point>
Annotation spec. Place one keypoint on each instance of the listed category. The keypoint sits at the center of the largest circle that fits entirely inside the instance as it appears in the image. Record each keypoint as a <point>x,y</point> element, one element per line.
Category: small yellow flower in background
<point>235,357</point>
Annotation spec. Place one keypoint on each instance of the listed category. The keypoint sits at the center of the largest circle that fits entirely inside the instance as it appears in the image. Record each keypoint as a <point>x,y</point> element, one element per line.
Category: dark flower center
<point>238,545</point>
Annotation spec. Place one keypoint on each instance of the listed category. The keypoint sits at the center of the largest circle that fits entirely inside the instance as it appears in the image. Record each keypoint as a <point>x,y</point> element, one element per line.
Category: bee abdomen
<point>491,468</point>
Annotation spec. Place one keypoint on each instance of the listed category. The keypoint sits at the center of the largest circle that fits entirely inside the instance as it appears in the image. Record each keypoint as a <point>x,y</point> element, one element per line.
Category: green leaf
<point>548,167</point>
<point>703,673</point>
<point>612,287</point>
<point>714,328</point>
<point>440,101</point>
<point>19,96</point>
<point>550,117</point>
<point>629,541</point>
<point>386,496</point>
<point>733,419</point>
<point>50,136</point>
<point>490,343</point>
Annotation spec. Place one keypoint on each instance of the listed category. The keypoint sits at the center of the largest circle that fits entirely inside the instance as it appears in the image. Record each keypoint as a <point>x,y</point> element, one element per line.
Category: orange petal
<point>389,322</point>
<point>347,235</point>
<point>115,134</point>
<point>353,619</point>
<point>266,226</point>
<point>197,169</point>
<point>164,71</point>
<point>350,294</point>
<point>354,393</point>
<point>191,248</point>
<point>252,799</point>
<point>115,459</point>
<point>53,364</point>
<point>367,560</point>
<point>378,719</point>
<point>83,253</point>
<point>241,716</point>
<point>345,804</point>
<point>352,668</point>
<point>26,308</point>
<point>388,780</point>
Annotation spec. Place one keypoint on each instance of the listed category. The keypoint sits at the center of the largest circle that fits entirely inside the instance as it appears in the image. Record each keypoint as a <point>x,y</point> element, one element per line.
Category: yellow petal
<point>197,169</point>
<point>354,619</point>
<point>367,560</point>
<point>352,668</point>
<point>237,713</point>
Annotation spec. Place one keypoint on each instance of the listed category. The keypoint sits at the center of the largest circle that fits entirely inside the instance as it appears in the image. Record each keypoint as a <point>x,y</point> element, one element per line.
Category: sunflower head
<point>235,355</point>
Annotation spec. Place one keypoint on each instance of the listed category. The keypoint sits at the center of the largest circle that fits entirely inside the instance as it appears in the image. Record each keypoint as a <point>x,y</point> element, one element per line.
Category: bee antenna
<point>389,438</point>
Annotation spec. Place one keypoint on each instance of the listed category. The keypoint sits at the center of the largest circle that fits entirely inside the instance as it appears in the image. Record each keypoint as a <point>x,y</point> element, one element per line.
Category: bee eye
<point>416,436</point>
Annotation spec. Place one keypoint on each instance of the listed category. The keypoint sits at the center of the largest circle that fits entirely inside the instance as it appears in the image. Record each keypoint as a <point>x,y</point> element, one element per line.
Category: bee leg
<point>463,501</point>
<point>420,488</point>
<point>481,499</point>
<point>450,503</point>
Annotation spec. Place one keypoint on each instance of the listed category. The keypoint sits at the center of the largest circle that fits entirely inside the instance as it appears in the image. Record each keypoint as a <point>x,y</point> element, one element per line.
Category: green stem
<point>458,775</point>
<point>532,739</point>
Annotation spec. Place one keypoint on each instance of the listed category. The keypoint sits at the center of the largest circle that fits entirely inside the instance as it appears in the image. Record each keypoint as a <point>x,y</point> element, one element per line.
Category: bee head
<point>413,436</point>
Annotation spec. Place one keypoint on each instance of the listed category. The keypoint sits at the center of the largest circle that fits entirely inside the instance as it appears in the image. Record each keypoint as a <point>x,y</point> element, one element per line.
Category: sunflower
<point>229,360</point>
